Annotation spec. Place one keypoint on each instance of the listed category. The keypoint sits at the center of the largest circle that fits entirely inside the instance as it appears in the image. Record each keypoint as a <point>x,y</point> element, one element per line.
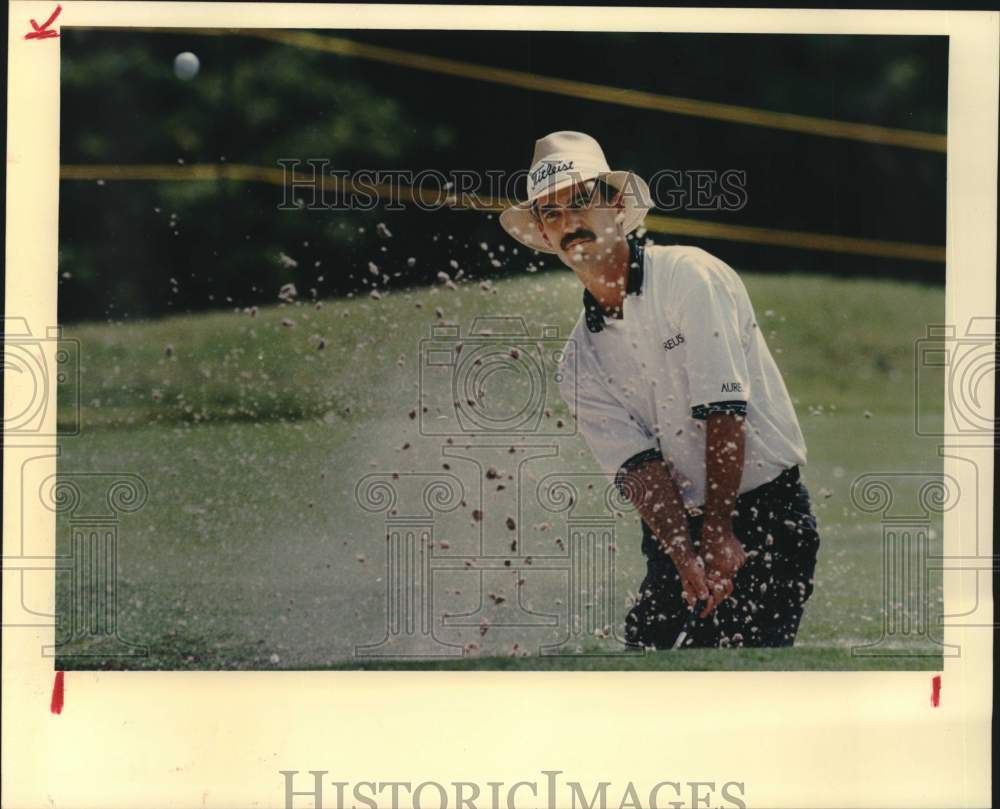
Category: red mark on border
<point>43,31</point>
<point>58,692</point>
<point>936,690</point>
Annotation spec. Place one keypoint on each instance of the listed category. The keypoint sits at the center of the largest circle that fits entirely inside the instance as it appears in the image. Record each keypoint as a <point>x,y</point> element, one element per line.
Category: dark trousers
<point>778,530</point>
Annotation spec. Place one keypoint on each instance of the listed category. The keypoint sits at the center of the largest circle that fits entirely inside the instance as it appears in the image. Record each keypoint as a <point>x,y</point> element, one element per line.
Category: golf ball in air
<point>186,65</point>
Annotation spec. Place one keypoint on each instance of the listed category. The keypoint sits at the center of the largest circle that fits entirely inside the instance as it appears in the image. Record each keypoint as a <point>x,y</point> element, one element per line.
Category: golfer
<point>681,402</point>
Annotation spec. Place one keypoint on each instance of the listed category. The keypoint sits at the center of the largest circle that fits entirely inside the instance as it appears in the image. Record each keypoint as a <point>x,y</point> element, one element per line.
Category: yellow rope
<point>888,136</point>
<point>612,95</point>
<point>657,223</point>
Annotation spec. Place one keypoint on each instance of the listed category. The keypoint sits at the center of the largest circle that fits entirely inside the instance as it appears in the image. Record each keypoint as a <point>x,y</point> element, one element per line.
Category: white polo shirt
<point>688,344</point>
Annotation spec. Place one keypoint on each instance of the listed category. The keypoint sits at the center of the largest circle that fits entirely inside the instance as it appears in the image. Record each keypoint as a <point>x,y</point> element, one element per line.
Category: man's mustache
<point>579,234</point>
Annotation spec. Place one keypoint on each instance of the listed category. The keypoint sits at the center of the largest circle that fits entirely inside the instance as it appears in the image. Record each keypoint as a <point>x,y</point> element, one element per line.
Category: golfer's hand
<point>724,556</point>
<point>691,569</point>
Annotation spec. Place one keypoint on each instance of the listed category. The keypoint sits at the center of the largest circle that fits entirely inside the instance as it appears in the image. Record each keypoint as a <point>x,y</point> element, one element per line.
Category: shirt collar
<point>633,286</point>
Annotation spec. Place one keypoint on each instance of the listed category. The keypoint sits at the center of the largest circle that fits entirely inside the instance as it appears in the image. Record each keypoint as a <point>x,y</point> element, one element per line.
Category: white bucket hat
<point>562,159</point>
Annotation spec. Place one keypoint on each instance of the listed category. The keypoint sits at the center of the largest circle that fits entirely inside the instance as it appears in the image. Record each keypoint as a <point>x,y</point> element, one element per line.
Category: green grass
<point>846,344</point>
<point>252,551</point>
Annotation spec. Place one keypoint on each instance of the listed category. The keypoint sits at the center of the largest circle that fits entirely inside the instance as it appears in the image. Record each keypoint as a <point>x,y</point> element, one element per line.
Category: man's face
<point>580,224</point>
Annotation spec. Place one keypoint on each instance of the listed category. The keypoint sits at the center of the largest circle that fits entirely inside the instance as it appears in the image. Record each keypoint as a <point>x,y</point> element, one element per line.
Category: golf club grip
<point>689,623</point>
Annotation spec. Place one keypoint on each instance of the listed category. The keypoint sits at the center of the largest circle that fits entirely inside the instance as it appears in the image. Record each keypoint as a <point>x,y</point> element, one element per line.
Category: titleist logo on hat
<point>546,171</point>
<point>563,159</point>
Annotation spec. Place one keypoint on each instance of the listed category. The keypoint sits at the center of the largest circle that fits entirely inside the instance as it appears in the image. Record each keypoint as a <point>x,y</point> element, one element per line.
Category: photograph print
<point>531,350</point>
